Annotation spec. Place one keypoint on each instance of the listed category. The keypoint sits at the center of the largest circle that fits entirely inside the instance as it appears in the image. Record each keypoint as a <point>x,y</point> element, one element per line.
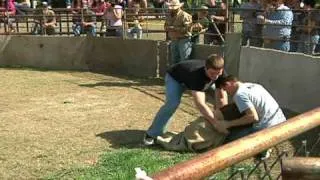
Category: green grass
<point>120,164</point>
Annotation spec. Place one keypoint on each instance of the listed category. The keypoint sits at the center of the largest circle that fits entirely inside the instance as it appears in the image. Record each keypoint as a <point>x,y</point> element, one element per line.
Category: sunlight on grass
<point>120,164</point>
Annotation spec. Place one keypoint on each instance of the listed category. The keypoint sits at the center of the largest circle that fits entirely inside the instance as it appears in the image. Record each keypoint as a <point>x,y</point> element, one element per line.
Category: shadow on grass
<point>138,85</point>
<point>311,138</point>
<point>124,138</point>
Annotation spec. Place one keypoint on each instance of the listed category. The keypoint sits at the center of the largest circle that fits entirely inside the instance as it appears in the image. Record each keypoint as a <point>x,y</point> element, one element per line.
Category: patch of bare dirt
<point>53,120</point>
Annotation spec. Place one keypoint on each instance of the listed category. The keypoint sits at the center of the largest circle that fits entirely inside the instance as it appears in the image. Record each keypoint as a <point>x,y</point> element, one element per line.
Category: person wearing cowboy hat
<point>45,22</point>
<point>178,28</point>
<point>200,23</point>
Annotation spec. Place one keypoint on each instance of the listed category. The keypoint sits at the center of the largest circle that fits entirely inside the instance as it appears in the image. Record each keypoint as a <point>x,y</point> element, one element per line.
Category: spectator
<point>277,30</point>
<point>309,34</point>
<point>143,3</point>
<point>50,3</point>
<point>113,18</point>
<point>294,5</point>
<point>178,26</point>
<point>200,23</point>
<point>158,5</point>
<point>216,29</point>
<point>76,13</point>
<point>134,23</point>
<point>87,24</point>
<point>77,4</point>
<point>22,7</point>
<point>189,5</point>
<point>99,7</point>
<point>251,31</point>
<point>45,22</point>
<point>8,10</point>
<point>317,50</point>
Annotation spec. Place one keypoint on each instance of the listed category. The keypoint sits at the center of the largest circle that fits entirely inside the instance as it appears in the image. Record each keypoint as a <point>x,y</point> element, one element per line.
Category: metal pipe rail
<point>222,157</point>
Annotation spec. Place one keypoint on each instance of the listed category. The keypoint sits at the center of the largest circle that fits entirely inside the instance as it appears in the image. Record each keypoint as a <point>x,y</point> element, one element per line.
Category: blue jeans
<point>251,38</point>
<point>135,33</point>
<point>309,44</point>
<point>180,50</point>
<point>174,91</point>
<point>239,132</point>
<point>89,30</point>
<point>283,45</point>
<point>114,31</point>
<point>39,29</point>
<point>317,50</point>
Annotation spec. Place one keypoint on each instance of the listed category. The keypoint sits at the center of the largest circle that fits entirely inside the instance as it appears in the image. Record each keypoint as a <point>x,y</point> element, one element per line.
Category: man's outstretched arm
<point>200,101</point>
<point>250,116</point>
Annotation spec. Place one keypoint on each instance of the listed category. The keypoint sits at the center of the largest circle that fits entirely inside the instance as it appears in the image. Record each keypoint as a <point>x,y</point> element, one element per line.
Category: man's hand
<point>221,126</point>
<point>196,27</point>
<point>261,19</point>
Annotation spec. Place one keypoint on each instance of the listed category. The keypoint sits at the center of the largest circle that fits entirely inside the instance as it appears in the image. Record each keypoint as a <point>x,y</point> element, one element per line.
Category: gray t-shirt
<point>254,95</point>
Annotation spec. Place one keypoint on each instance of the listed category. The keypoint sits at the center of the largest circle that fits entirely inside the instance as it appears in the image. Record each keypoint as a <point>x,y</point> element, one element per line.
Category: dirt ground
<point>53,120</point>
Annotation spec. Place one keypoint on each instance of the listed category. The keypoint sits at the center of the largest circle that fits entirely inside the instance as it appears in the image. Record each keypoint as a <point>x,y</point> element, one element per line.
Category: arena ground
<point>52,120</point>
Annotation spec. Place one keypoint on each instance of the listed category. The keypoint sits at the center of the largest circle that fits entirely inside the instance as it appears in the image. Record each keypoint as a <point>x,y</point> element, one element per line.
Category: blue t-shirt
<point>254,95</point>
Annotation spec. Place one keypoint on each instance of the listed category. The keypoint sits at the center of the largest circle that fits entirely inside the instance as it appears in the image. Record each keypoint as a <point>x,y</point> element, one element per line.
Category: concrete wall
<point>292,78</point>
<point>44,52</point>
<point>112,55</point>
<point>129,57</point>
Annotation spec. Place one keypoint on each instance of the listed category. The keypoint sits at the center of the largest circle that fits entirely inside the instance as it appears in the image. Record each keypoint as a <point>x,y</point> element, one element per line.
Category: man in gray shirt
<point>258,108</point>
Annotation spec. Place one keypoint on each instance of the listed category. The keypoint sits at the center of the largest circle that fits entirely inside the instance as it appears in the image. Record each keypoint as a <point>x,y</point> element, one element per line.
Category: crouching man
<point>260,110</point>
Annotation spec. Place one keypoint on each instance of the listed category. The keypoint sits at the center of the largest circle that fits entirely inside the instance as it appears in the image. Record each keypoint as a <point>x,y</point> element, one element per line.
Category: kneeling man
<point>260,110</point>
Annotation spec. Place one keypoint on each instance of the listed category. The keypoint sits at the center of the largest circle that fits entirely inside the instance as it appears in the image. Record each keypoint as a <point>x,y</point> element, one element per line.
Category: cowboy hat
<point>174,4</point>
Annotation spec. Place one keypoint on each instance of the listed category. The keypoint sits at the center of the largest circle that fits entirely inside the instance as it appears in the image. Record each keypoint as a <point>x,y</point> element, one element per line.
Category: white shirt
<point>251,95</point>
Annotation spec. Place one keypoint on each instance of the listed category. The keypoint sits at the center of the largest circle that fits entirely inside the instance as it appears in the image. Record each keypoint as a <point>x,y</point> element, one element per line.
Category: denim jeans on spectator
<point>251,38</point>
<point>174,91</point>
<point>39,29</point>
<point>195,39</point>
<point>317,50</point>
<point>293,40</point>
<point>135,33</point>
<point>283,45</point>
<point>180,50</point>
<point>89,30</point>
<point>114,31</point>
<point>309,44</point>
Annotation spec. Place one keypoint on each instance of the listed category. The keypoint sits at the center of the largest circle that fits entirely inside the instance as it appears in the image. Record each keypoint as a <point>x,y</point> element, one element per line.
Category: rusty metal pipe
<point>222,157</point>
<point>301,168</point>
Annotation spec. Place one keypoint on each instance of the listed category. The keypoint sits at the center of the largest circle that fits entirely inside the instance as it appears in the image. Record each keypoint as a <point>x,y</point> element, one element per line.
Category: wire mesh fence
<point>270,168</point>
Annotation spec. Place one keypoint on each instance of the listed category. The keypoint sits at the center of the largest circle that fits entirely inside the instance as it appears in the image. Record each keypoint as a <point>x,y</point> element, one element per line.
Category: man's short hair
<point>214,61</point>
<point>221,81</point>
